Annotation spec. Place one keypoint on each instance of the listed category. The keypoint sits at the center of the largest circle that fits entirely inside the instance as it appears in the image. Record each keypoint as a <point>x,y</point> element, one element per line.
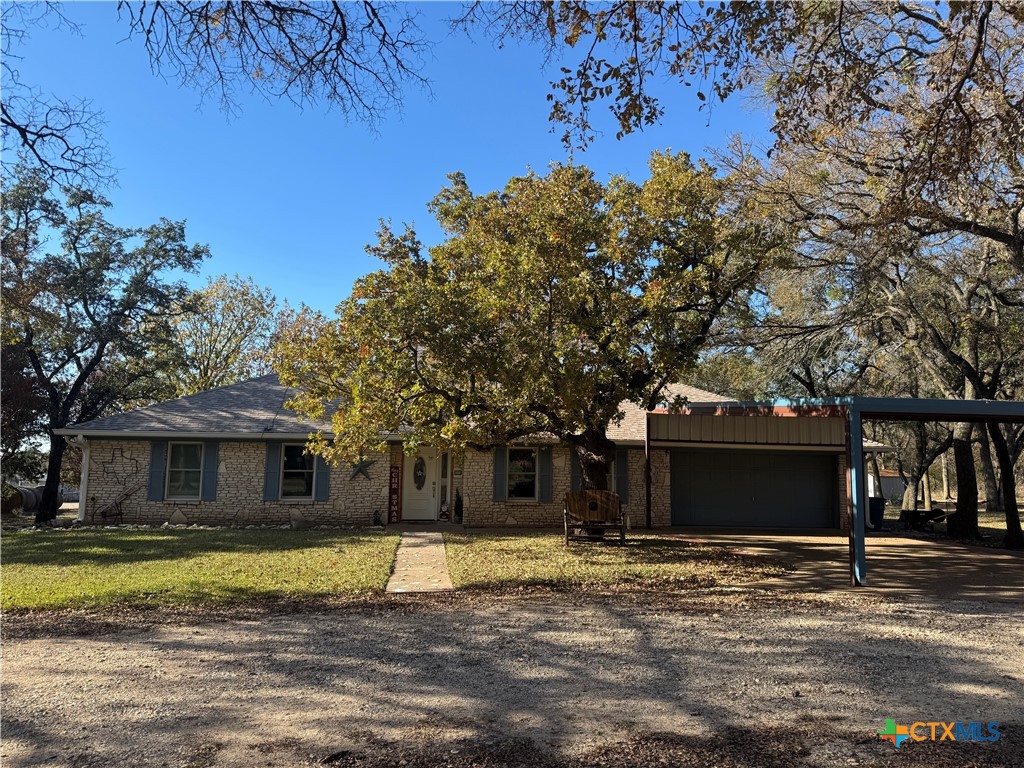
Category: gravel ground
<point>729,679</point>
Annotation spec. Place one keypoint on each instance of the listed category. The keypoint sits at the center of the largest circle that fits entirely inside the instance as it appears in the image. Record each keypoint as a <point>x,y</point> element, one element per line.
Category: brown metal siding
<point>750,430</point>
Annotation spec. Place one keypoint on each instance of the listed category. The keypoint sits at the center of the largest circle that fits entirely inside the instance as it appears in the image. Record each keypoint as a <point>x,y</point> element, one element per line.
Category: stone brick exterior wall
<point>844,494</point>
<point>661,488</point>
<point>115,465</point>
<point>480,509</point>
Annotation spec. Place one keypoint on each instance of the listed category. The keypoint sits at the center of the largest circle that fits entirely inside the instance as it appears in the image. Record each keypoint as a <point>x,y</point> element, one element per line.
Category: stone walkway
<point>420,564</point>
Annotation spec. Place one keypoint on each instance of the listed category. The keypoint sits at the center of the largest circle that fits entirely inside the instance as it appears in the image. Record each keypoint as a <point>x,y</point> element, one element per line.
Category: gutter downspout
<point>83,484</point>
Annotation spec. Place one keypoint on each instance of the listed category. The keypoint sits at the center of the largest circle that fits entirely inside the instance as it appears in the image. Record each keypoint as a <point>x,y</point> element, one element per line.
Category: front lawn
<point>98,568</point>
<point>500,559</point>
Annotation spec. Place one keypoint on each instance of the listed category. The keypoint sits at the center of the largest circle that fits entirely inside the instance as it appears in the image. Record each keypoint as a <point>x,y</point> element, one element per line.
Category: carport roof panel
<point>919,409</point>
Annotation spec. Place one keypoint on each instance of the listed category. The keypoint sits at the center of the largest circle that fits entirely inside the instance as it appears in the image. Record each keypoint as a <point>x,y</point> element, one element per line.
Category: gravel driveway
<point>613,680</point>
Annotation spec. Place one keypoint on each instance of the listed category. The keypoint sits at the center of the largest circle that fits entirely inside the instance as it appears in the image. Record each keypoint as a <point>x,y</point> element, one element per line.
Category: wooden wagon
<point>590,514</point>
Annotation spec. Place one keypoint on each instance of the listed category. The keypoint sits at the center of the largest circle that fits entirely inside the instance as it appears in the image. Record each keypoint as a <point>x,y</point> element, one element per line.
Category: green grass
<point>497,560</point>
<point>96,569</point>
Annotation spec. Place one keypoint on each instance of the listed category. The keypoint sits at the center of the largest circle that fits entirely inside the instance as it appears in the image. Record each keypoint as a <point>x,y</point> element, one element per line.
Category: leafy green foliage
<point>225,336</point>
<point>96,569</point>
<point>87,301</point>
<point>22,414</point>
<point>627,46</point>
<point>548,304</point>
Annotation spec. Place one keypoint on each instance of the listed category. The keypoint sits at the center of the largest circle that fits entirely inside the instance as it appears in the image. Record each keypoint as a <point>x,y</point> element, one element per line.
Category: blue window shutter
<point>544,470</point>
<point>622,474</point>
<point>272,475</point>
<point>322,489</point>
<point>157,469</point>
<point>500,474</point>
<point>210,464</point>
<point>576,471</point>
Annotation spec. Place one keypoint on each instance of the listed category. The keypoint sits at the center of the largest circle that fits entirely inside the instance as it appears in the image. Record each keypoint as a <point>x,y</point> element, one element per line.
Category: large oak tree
<point>921,98</point>
<point>87,301</point>
<point>548,304</point>
<point>223,335</point>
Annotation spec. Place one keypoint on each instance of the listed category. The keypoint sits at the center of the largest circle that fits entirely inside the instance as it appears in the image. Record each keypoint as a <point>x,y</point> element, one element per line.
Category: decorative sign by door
<point>395,494</point>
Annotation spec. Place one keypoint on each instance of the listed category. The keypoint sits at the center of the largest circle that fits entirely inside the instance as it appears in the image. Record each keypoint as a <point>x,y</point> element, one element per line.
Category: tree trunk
<point>48,506</point>
<point>877,474</point>
<point>1014,538</point>
<point>964,523</point>
<point>596,454</point>
<point>926,492</point>
<point>988,474</point>
<point>909,499</point>
<point>944,459</point>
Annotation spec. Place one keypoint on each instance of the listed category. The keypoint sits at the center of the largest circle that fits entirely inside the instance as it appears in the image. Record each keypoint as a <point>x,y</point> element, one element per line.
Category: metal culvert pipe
<point>29,498</point>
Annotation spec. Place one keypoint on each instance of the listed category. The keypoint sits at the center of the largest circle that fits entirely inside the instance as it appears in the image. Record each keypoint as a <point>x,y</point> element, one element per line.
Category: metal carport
<point>700,418</point>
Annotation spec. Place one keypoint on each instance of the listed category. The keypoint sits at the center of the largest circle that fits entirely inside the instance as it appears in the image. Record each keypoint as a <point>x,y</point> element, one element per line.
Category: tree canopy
<point>224,334</point>
<point>915,105</point>
<point>86,301</point>
<point>60,136</point>
<point>22,415</point>
<point>355,58</point>
<point>548,304</point>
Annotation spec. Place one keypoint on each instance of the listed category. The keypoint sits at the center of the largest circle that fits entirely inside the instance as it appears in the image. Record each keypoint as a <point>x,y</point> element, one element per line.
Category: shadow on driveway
<point>899,566</point>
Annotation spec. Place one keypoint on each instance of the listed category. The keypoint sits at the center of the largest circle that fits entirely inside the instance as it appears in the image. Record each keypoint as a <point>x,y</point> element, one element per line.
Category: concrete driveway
<point>899,565</point>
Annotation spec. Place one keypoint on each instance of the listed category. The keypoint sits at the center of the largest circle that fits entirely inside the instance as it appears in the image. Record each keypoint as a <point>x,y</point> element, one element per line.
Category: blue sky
<point>291,197</point>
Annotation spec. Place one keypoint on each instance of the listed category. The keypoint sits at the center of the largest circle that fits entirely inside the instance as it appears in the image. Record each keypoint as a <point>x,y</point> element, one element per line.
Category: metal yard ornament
<point>362,467</point>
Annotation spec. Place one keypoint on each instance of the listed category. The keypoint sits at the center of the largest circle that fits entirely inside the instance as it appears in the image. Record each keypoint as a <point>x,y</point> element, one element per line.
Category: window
<point>184,470</point>
<point>522,473</point>
<point>297,471</point>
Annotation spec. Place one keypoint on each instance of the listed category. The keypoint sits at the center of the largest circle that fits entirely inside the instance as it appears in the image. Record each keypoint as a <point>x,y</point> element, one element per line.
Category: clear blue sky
<point>291,197</point>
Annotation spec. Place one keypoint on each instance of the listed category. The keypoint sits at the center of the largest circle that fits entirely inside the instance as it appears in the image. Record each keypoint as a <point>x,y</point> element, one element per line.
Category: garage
<point>764,464</point>
<point>754,489</point>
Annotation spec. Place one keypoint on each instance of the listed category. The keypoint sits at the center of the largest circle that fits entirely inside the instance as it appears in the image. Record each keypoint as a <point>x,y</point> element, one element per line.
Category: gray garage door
<point>752,489</point>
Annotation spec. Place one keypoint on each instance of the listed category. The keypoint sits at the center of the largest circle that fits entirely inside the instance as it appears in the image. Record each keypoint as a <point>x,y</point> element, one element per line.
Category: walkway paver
<point>420,564</point>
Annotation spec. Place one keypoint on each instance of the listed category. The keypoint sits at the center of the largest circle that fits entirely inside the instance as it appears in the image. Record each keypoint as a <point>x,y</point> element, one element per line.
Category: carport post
<point>858,559</point>
<point>647,471</point>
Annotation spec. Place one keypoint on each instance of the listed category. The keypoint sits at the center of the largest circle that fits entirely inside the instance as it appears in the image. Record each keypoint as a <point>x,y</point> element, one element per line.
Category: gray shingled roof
<point>249,408</point>
<point>255,408</point>
<point>633,425</point>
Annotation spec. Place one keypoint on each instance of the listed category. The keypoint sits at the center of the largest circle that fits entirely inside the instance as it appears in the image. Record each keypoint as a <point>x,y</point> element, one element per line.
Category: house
<point>235,456</point>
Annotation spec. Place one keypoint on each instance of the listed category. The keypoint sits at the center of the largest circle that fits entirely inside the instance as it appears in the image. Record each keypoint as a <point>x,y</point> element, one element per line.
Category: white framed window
<point>184,471</point>
<point>522,474</point>
<point>298,472</point>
